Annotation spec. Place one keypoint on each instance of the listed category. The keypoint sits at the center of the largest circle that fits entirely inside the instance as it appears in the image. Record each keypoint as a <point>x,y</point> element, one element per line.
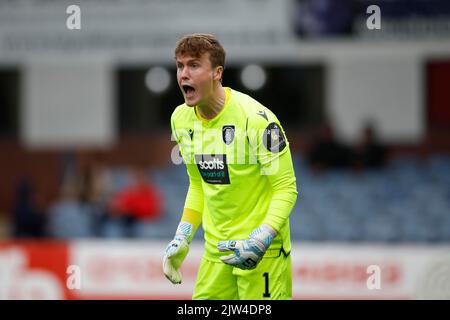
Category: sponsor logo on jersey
<point>273,138</point>
<point>228,134</point>
<point>213,168</point>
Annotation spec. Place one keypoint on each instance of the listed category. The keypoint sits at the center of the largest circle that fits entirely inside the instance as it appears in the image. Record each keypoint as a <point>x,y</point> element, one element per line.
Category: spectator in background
<point>369,153</point>
<point>96,191</point>
<point>327,153</point>
<point>70,216</point>
<point>139,202</point>
<point>28,214</point>
<point>97,185</point>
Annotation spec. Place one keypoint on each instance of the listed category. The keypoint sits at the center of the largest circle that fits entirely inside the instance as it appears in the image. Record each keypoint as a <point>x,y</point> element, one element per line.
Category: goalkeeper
<point>242,185</point>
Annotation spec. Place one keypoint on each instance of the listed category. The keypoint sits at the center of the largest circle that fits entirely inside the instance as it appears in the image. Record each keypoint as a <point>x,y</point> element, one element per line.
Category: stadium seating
<point>408,201</point>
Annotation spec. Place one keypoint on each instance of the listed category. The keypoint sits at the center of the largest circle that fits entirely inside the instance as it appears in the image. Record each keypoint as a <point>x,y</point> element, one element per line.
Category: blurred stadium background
<point>84,116</point>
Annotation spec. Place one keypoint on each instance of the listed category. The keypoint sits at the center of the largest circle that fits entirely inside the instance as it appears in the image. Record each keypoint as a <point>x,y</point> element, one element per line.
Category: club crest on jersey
<point>273,138</point>
<point>228,134</point>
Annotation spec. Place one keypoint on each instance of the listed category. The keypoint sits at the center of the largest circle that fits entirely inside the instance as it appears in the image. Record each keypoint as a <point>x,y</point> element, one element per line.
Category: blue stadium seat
<point>409,201</point>
<point>380,228</point>
<point>70,219</point>
<point>120,178</point>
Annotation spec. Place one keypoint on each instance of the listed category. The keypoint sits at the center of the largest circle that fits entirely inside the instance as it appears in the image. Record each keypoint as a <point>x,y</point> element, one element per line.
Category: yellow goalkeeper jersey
<point>240,171</point>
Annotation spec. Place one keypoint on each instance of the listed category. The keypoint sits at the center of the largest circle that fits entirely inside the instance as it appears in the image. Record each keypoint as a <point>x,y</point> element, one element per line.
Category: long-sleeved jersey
<point>240,172</point>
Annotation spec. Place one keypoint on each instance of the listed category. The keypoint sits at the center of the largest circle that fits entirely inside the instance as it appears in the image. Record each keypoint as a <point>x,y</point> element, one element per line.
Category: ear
<point>217,73</point>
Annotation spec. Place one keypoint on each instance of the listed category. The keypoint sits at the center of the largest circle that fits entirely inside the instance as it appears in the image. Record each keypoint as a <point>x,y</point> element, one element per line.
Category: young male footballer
<point>242,185</point>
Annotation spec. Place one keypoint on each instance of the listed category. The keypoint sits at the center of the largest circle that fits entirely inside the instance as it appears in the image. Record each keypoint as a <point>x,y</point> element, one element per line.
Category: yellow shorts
<point>271,280</point>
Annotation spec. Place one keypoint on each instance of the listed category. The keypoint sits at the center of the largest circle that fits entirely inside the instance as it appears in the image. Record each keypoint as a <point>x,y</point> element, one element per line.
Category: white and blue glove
<point>248,253</point>
<point>176,252</point>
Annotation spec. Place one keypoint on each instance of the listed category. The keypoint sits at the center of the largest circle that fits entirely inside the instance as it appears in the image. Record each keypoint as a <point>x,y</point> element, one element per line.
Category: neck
<point>214,104</point>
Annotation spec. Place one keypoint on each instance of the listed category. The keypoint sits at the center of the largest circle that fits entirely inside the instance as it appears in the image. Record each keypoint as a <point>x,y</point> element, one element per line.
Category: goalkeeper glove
<point>176,252</point>
<point>248,253</point>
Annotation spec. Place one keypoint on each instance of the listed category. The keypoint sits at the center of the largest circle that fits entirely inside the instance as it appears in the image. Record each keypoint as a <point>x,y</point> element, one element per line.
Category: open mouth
<point>188,90</point>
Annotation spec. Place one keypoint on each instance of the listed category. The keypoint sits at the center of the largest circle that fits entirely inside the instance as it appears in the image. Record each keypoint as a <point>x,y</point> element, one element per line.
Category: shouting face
<point>196,77</point>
